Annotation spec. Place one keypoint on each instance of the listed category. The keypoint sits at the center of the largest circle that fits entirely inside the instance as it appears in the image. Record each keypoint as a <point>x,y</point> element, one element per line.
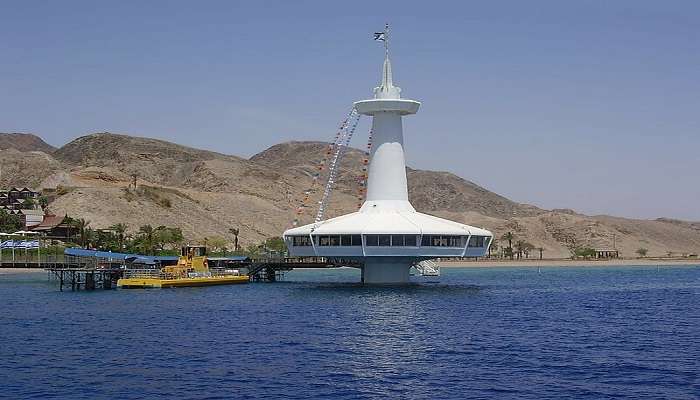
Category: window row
<point>443,241</point>
<point>327,240</point>
<point>301,241</point>
<point>392,240</point>
<point>338,240</point>
<point>479,241</point>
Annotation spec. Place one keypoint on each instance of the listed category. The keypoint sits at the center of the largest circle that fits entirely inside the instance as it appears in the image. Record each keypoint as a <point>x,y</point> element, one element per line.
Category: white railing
<point>155,273</point>
<point>427,268</point>
<point>143,273</point>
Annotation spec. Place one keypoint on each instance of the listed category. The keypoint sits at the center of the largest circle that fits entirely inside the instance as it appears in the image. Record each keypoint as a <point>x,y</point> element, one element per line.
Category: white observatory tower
<point>387,234</point>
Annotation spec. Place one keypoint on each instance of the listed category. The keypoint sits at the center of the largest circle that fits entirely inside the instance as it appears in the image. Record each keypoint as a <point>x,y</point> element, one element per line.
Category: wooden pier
<point>85,278</point>
<point>78,275</point>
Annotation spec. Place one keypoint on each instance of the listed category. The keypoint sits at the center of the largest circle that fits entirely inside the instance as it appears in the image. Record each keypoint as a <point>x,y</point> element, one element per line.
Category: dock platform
<point>89,276</point>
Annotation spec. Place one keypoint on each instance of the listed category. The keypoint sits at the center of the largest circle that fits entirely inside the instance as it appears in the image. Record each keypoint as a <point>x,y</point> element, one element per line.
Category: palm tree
<point>494,246</point>
<point>146,237</point>
<point>541,249</point>
<point>82,225</point>
<point>29,204</point>
<point>120,233</point>
<point>70,223</point>
<point>43,201</point>
<point>520,247</point>
<point>509,237</point>
<point>234,232</point>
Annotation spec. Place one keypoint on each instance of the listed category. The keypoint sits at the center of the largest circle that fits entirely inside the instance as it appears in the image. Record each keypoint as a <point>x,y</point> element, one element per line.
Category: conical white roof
<point>387,222</point>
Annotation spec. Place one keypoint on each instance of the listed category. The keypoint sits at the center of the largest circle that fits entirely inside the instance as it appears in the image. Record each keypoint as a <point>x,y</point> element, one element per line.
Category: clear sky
<point>590,105</point>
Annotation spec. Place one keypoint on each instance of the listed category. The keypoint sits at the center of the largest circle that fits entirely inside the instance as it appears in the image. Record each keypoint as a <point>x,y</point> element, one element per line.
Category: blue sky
<point>589,105</point>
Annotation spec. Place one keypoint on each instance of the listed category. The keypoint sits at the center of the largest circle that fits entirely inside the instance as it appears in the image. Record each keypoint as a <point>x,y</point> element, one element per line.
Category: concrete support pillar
<point>378,270</point>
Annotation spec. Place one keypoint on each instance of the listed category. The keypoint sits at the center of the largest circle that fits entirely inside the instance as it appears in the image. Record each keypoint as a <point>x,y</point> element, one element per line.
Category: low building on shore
<point>56,227</point>
<point>603,254</point>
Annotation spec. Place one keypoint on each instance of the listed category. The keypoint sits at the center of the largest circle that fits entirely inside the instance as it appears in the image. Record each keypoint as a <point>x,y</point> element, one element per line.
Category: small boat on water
<point>192,269</point>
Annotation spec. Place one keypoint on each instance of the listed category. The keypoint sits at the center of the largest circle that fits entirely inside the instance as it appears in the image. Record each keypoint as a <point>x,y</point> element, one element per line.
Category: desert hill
<point>206,193</point>
<point>24,142</point>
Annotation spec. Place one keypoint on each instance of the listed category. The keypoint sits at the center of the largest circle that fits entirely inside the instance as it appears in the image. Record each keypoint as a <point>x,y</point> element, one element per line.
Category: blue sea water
<point>584,333</point>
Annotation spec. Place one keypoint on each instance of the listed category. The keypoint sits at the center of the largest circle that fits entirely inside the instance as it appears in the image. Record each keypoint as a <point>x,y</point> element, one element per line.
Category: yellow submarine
<point>192,269</point>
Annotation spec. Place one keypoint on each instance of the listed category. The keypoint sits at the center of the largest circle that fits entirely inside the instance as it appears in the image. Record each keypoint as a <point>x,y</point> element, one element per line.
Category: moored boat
<point>192,269</point>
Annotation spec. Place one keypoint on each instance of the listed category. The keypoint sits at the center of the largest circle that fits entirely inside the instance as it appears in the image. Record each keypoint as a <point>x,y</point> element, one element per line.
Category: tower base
<point>386,272</point>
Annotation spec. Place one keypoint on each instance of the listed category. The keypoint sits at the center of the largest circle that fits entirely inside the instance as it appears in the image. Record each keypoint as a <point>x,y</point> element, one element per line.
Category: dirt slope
<point>206,193</point>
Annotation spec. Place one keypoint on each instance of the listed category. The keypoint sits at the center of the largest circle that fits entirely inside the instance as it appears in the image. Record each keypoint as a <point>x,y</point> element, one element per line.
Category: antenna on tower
<point>384,37</point>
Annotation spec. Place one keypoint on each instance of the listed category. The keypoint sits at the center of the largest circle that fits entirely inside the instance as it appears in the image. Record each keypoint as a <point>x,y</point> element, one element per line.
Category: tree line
<point>164,240</point>
<point>516,248</point>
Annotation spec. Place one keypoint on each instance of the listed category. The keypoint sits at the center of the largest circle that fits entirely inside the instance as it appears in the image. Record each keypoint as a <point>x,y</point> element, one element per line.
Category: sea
<point>473,333</point>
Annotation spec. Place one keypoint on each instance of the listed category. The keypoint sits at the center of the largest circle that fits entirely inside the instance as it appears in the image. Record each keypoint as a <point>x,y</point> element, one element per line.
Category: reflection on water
<point>492,333</point>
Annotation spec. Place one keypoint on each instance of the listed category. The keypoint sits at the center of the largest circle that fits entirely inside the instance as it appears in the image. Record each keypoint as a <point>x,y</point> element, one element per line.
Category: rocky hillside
<point>27,168</point>
<point>428,190</point>
<point>24,142</point>
<point>206,193</point>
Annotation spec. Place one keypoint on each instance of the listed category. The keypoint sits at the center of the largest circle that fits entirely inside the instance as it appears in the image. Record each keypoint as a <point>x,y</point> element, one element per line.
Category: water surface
<point>613,332</point>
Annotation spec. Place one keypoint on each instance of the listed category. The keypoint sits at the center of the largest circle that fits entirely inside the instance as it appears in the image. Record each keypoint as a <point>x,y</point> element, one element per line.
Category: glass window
<point>334,240</point>
<point>345,240</point>
<point>385,240</point>
<point>476,241</point>
<point>301,241</point>
<point>372,240</point>
<point>454,241</point>
<point>356,240</point>
<point>410,240</point>
<point>437,241</point>
<point>397,240</point>
<point>324,241</point>
<point>425,241</point>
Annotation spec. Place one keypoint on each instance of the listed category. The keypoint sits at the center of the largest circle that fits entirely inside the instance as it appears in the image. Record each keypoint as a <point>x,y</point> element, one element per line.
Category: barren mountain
<point>27,168</point>
<point>24,142</point>
<point>206,193</point>
<point>429,191</point>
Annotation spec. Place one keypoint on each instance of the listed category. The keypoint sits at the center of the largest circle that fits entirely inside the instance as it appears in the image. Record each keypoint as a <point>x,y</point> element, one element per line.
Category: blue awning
<point>113,256</point>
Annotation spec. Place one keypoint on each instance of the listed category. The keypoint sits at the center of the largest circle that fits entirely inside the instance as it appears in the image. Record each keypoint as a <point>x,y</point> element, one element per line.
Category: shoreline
<point>14,271</point>
<point>571,263</point>
<point>498,264</point>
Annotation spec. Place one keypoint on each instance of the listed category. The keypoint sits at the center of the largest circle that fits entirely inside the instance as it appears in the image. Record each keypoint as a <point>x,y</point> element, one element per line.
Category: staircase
<point>427,268</point>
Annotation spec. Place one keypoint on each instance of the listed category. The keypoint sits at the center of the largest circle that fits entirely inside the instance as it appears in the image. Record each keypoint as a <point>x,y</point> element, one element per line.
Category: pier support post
<point>89,281</point>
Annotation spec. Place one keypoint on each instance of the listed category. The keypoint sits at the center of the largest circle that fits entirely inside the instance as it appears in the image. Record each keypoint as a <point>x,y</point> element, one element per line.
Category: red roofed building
<point>56,227</point>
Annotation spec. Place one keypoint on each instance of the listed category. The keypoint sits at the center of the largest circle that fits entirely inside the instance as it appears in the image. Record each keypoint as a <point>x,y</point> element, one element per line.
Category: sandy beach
<point>569,263</point>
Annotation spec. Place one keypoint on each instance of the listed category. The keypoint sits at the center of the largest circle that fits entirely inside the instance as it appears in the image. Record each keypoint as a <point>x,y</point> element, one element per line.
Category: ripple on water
<point>479,333</point>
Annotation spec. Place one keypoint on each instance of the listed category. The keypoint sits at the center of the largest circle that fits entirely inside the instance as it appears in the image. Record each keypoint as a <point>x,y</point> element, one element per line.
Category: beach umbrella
<point>26,247</point>
<point>1,241</point>
<point>12,246</point>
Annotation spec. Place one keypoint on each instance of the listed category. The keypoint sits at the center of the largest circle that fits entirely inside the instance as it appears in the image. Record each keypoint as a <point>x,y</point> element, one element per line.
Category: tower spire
<point>386,89</point>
